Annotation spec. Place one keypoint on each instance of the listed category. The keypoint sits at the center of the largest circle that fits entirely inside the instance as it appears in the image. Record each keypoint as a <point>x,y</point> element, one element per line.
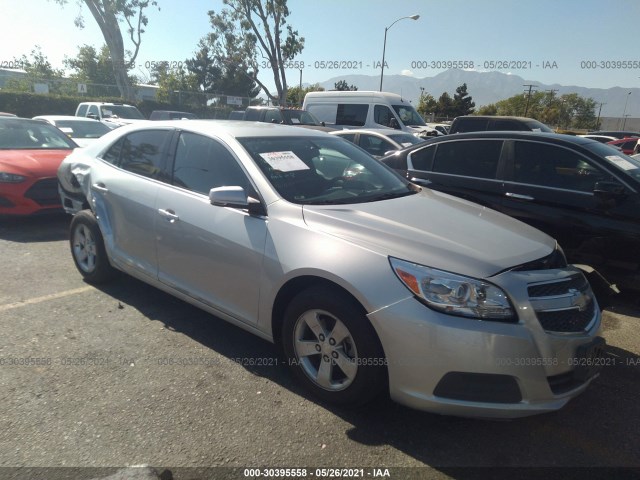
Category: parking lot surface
<point>124,374</point>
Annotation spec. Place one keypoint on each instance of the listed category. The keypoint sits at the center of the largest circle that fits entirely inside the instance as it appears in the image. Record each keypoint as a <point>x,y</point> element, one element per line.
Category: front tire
<point>87,248</point>
<point>332,348</point>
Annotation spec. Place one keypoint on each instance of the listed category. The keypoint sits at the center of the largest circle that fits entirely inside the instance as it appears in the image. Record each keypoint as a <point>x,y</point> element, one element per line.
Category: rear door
<point>470,169</point>
<point>124,187</point>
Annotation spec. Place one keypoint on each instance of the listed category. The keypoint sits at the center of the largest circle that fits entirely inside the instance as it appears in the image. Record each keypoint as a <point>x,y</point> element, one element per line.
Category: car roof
<point>232,128</point>
<point>508,134</point>
<point>380,131</point>
<point>64,117</point>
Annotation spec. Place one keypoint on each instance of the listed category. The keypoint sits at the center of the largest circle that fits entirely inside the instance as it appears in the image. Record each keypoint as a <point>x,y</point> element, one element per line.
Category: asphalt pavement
<point>97,379</point>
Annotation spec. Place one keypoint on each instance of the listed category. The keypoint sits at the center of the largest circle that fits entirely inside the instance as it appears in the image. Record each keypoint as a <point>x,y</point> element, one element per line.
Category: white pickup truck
<point>113,115</point>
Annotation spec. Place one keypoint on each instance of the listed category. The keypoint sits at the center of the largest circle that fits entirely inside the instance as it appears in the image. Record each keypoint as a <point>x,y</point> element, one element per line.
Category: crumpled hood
<point>40,163</point>
<point>437,230</point>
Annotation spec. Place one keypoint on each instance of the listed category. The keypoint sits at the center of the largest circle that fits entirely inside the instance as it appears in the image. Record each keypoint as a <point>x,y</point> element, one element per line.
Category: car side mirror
<point>608,189</point>
<point>235,197</point>
<point>322,123</point>
<point>393,123</point>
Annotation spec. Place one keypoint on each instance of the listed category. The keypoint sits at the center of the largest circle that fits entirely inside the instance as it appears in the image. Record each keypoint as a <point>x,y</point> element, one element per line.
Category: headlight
<point>11,178</point>
<point>454,294</point>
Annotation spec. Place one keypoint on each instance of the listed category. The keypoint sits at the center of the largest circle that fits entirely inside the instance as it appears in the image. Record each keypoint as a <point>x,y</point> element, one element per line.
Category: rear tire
<point>331,347</point>
<point>87,248</point>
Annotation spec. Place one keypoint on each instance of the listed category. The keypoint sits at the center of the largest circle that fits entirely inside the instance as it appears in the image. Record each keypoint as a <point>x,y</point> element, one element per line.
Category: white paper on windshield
<point>621,162</point>
<point>295,120</point>
<point>284,161</point>
<point>406,144</point>
<point>536,130</point>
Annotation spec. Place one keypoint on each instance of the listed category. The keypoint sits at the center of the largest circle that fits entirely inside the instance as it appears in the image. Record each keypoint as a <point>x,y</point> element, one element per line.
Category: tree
<point>445,106</point>
<point>246,28</point>
<point>94,68</point>
<point>427,105</point>
<point>39,70</point>
<point>108,14</point>
<point>462,102</point>
<point>343,86</point>
<point>214,77</point>
<point>295,95</point>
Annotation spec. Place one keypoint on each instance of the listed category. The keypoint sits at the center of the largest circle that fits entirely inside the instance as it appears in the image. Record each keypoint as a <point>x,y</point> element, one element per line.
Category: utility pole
<point>598,119</point>
<point>526,109</point>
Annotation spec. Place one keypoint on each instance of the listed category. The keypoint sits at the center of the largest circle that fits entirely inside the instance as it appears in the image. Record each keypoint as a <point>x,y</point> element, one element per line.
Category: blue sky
<point>559,34</point>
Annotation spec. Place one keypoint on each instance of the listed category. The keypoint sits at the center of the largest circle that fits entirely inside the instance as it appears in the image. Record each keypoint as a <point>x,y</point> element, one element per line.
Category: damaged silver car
<point>370,283</point>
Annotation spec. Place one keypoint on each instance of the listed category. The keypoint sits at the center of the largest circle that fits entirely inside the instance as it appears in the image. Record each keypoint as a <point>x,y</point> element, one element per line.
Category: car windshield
<point>625,163</point>
<point>32,135</point>
<point>121,111</point>
<point>405,139</point>
<point>79,129</point>
<point>409,116</point>
<point>323,171</point>
<point>300,117</point>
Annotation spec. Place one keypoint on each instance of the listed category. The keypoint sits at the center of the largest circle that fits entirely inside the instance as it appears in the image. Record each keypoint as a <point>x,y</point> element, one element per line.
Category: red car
<point>30,154</point>
<point>626,144</point>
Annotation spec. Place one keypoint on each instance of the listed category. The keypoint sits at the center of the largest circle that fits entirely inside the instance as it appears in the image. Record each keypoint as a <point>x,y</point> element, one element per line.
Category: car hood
<point>436,230</point>
<point>42,163</point>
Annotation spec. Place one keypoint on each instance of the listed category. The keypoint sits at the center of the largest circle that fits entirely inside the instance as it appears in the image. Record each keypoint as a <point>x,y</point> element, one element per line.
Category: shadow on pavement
<point>38,228</point>
<point>596,429</point>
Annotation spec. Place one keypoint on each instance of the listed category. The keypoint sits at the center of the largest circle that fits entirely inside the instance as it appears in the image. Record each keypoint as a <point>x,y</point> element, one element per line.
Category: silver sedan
<point>370,283</point>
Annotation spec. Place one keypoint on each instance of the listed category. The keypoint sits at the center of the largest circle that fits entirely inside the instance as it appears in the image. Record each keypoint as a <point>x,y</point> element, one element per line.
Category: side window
<point>375,145</point>
<point>349,136</point>
<point>142,153</point>
<point>112,155</point>
<point>552,166</point>
<point>382,115</point>
<point>352,114</point>
<point>82,111</point>
<point>422,159</point>
<point>325,113</point>
<point>272,116</point>
<point>93,109</point>
<point>252,115</point>
<point>471,158</point>
<point>509,125</point>
<point>203,163</point>
<point>468,124</point>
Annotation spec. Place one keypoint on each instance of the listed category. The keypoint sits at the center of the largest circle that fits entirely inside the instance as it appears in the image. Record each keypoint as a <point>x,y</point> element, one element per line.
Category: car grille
<point>44,192</point>
<point>565,306</point>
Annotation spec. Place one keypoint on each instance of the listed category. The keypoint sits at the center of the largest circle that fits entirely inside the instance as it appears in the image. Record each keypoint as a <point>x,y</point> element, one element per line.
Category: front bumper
<point>30,197</point>
<point>467,367</point>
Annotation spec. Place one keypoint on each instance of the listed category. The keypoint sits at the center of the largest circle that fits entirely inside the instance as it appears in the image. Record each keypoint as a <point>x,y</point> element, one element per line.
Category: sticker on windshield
<point>284,161</point>
<point>621,162</point>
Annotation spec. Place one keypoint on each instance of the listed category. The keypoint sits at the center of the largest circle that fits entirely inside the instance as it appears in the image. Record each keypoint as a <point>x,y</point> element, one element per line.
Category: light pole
<point>384,47</point>
<point>625,107</point>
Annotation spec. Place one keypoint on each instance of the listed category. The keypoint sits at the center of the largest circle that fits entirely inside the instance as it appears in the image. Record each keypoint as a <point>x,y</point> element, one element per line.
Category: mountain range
<point>490,87</point>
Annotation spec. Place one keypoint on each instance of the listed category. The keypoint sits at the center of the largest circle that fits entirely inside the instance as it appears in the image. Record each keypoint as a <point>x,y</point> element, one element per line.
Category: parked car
<point>599,138</point>
<point>480,123</point>
<point>83,131</point>
<point>626,145</point>
<point>379,142</point>
<point>30,153</point>
<point>369,282</point>
<point>366,109</point>
<point>171,115</point>
<point>113,115</point>
<point>286,116</point>
<point>581,192</point>
<point>441,128</point>
<point>619,134</point>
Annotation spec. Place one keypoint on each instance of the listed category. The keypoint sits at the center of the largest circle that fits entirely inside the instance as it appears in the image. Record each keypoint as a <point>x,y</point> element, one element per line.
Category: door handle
<point>421,181</point>
<point>100,187</point>
<point>168,215</point>
<point>519,197</point>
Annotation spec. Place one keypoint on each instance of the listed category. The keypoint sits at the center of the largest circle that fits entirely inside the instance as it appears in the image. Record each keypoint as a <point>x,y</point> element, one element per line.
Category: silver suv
<point>370,283</point>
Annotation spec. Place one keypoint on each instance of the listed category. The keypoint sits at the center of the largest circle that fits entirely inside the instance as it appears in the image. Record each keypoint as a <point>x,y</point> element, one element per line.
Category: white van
<point>349,109</point>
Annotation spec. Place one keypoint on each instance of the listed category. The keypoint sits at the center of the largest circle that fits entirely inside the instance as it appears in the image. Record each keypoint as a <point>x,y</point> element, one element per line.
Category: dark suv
<point>582,192</point>
<point>479,123</point>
